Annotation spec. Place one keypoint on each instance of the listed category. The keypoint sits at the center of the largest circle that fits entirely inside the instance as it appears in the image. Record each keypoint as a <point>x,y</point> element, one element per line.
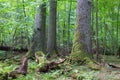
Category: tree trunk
<point>81,44</point>
<point>105,30</point>
<point>64,28</point>
<point>97,42</point>
<point>38,42</point>
<point>117,29</point>
<point>91,30</point>
<point>51,44</point>
<point>69,21</point>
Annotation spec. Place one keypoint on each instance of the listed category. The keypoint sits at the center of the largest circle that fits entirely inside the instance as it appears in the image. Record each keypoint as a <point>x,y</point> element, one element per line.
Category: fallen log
<point>114,66</point>
<point>50,66</point>
<point>8,48</point>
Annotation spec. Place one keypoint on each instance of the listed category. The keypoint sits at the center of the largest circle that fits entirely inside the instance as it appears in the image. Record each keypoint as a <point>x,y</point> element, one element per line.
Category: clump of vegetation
<point>64,72</point>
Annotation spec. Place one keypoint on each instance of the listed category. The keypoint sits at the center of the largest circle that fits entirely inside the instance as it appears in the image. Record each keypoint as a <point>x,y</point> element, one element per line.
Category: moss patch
<point>78,54</point>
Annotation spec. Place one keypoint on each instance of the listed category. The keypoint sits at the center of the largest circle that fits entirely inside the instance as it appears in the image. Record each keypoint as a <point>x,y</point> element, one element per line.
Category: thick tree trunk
<point>38,42</point>
<point>81,44</point>
<point>97,29</point>
<point>51,44</point>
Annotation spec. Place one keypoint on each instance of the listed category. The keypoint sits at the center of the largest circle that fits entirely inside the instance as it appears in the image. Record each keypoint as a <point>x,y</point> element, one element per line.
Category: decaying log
<point>8,48</point>
<point>114,66</point>
<point>50,66</point>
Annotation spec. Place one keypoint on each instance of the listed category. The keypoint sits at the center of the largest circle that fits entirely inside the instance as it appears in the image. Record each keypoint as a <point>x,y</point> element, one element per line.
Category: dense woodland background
<point>17,23</point>
<point>61,28</point>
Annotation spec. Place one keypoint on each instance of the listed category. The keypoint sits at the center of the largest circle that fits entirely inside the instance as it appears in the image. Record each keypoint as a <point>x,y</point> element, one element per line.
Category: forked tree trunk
<point>38,42</point>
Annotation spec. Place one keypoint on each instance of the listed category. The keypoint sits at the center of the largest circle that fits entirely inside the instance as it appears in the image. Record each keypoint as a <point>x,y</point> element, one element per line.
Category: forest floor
<point>66,71</point>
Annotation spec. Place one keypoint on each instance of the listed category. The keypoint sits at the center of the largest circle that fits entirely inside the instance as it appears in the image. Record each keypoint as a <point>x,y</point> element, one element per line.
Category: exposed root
<point>21,70</point>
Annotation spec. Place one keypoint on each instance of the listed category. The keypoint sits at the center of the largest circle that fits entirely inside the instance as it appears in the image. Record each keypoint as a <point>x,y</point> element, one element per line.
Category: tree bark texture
<point>38,41</point>
<point>51,44</point>
<point>81,44</point>
<point>97,35</point>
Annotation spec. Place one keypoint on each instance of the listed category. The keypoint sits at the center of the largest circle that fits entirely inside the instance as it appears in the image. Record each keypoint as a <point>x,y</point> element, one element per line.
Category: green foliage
<point>8,69</point>
<point>32,65</point>
<point>41,58</point>
<point>27,77</point>
<point>2,53</point>
<point>67,71</point>
<point>40,54</point>
<point>14,22</point>
<point>78,57</point>
<point>17,21</point>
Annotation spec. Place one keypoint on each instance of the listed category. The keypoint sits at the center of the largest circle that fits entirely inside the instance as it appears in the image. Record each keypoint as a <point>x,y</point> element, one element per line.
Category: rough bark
<point>81,44</point>
<point>97,41</point>
<point>91,30</point>
<point>38,42</point>
<point>51,44</point>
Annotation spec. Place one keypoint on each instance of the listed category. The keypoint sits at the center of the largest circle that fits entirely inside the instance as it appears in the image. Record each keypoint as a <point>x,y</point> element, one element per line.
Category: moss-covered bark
<point>78,52</point>
<point>81,44</point>
<point>81,41</point>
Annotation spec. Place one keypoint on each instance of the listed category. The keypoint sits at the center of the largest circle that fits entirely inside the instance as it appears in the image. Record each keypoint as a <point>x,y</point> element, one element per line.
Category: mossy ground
<point>67,71</point>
